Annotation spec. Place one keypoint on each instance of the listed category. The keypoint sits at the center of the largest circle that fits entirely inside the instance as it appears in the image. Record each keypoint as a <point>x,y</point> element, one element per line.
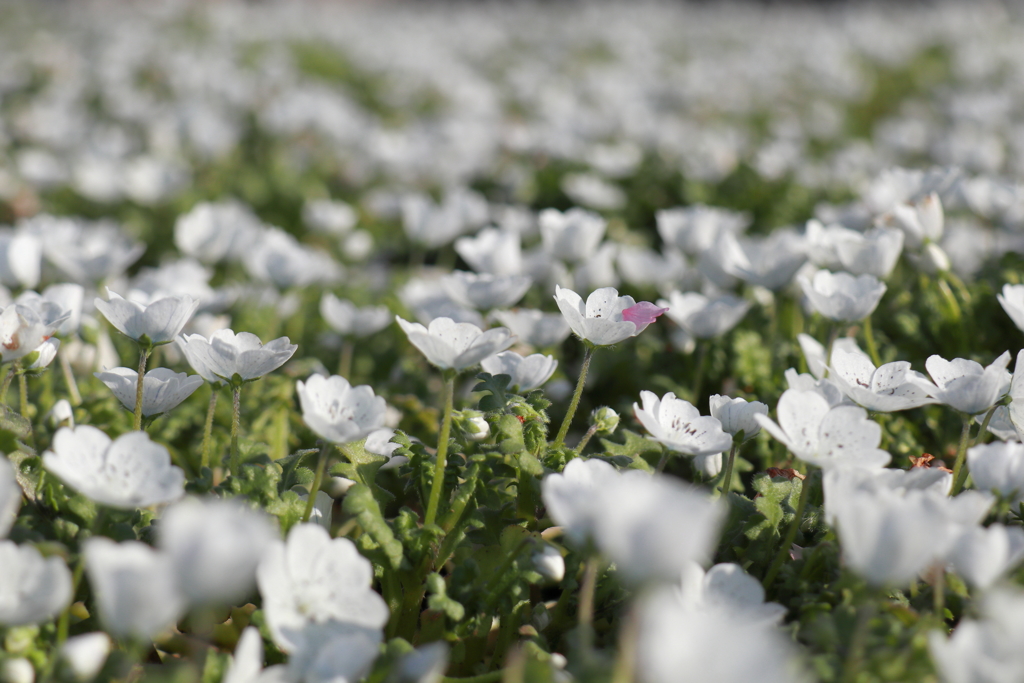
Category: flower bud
<point>85,654</point>
<point>62,414</point>
<point>932,259</point>
<point>473,424</point>
<point>548,562</point>
<point>18,670</point>
<point>605,420</point>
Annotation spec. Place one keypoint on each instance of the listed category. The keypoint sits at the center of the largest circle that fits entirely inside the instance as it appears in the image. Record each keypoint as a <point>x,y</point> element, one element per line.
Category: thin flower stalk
<point>208,427</point>
<point>437,486</point>
<point>787,542</point>
<point>959,470</point>
<point>236,415</point>
<point>574,404</point>
<point>69,379</point>
<point>139,383</point>
<point>318,478</point>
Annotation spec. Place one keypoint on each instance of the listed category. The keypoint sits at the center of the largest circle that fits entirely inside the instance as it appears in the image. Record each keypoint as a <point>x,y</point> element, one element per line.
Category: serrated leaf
<point>360,502</point>
<point>497,400</point>
<point>633,448</point>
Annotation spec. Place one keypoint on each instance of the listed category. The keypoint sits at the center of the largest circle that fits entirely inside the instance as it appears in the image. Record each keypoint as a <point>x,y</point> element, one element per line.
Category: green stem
<point>236,416</point>
<point>317,481</point>
<point>787,542</point>
<point>5,387</point>
<point>139,384</point>
<point>662,462</point>
<point>959,471</point>
<point>69,379</point>
<point>585,612</point>
<point>939,593</point>
<point>22,389</point>
<point>625,659</point>
<point>727,475</point>
<point>698,376</point>
<point>208,427</point>
<point>506,564</point>
<point>345,361</point>
<point>984,425</point>
<point>564,429</point>
<point>586,439</point>
<point>833,334</point>
<point>855,655</point>
<point>869,339</point>
<point>437,486</point>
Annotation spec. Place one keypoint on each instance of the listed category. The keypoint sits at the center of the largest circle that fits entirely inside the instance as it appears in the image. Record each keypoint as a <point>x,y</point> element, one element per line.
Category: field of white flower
<point>600,342</point>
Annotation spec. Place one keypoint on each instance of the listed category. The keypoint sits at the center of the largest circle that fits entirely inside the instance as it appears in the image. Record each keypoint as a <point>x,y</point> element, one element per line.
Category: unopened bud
<point>548,562</point>
<point>473,424</point>
<point>605,420</point>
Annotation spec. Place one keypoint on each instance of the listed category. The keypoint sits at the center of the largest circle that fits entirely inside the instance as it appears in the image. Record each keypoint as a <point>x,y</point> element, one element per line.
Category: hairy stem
<point>586,439</point>
<point>236,416</point>
<point>437,486</point>
<point>69,379</point>
<point>959,469</point>
<point>317,480</point>
<point>787,542</point>
<point>869,340</point>
<point>585,612</point>
<point>345,361</point>
<point>139,384</point>
<point>574,404</point>
<point>5,387</point>
<point>727,474</point>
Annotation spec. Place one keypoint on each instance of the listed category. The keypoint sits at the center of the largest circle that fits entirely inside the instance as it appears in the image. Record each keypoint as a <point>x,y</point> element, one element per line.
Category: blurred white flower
<point>88,253</point>
<point>572,236</point>
<point>156,323</point>
<point>842,297</point>
<point>214,231</point>
<point>21,258</point>
<point>921,221</point>
<point>33,589</point>
<point>695,228</point>
<point>999,468</point>
<point>702,317</point>
<point>549,563</point>
<point>135,586</point>
<point>536,328</point>
<point>214,546</point>
<point>451,345</point>
<point>162,389</point>
<point>85,654</point>
<point>127,473</point>
<point>981,555</point>
<point>279,259</point>
<point>726,587</point>
<point>493,251</point>
<point>10,497</point>
<point>527,372</point>
<point>337,411</point>
<point>986,649</point>
<point>571,496</point>
<point>346,318</point>
<point>329,216</point>
<point>234,358</point>
<point>313,579</point>
<point>485,291</point>
<point>679,426</point>
<point>24,329</point>
<point>874,252</point>
<point>1012,301</point>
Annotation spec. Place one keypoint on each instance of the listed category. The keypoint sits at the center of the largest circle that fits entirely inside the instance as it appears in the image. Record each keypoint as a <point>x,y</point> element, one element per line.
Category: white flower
<point>702,317</point>
<point>23,329</point>
<point>983,554</point>
<point>527,373</point>
<point>332,652</point>
<point>213,231</point>
<point>127,473</point>
<point>451,345</point>
<point>840,296</point>
<point>312,579</point>
<point>984,650</point>
<point>157,323</point>
<point>821,435</point>
<point>493,251</point>
<point>32,588</point>
<point>1012,301</point>
<point>695,228</point>
<point>728,588</point>
<point>234,358</point>
<point>10,496</point>
<point>998,467</point>
<point>42,356</point>
<point>339,412</point>
<point>885,389</point>
<point>571,497</point>
<point>874,252</point>
<point>736,414</point>
<point>921,221</point>
<point>135,587</point>
<point>344,317</point>
<point>678,425</point>
<point>572,236</point>
<point>485,291</point>
<point>85,654</point>
<point>536,328</point>
<point>965,385</point>
<point>329,216</point>
<point>89,252</point>
<point>602,320</point>
<point>214,546</point>
<point>280,259</point>
<point>162,388</point>
<point>21,258</point>
<point>549,563</point>
<point>769,262</point>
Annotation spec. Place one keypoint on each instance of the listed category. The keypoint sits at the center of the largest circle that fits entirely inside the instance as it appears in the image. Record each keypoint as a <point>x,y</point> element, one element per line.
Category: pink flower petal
<point>642,314</point>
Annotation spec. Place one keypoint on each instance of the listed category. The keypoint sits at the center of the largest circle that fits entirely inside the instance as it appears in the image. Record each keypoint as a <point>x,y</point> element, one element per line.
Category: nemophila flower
<point>10,496</point>
<point>737,415</point>
<point>157,323</point>
<point>57,302</point>
<point>981,555</point>
<point>333,651</point>
<point>428,300</point>
<point>999,468</point>
<point>484,291</point>
<point>314,579</point>
<point>841,296</point>
<point>527,372</point>
<point>85,654</point>
<point>571,496</point>
<point>492,250</point>
<point>33,589</point>
<point>162,388</point>
<point>679,426</point>
<point>24,329</point>
<point>838,482</point>
<point>536,328</point>
<point>1012,301</point>
<point>874,252</point>
<point>89,252</point>
<point>425,664</point>
<point>346,318</point>
<point>986,649</point>
<point>770,262</point>
<point>278,258</point>
<point>136,587</point>
<point>922,221</point>
<point>674,638</point>
<point>814,352</point>
<point>213,231</point>
<point>645,267</point>
<point>726,587</point>
<point>339,412</point>
<point>965,385</point>
<point>821,435</point>
<point>455,346</point>
<point>329,216</point>
<point>234,358</point>
<point>40,359</point>
<point>695,228</point>
<point>603,320</point>
<point>21,258</point>
<point>126,473</point>
<point>572,236</point>
<point>702,317</point>
<point>885,389</point>
<point>214,546</point>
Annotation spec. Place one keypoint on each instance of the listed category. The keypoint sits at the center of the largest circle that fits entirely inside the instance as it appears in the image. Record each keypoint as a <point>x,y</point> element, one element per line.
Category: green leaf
<point>362,468</point>
<point>497,385</point>
<point>634,448</point>
<point>440,601</point>
<point>360,502</point>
